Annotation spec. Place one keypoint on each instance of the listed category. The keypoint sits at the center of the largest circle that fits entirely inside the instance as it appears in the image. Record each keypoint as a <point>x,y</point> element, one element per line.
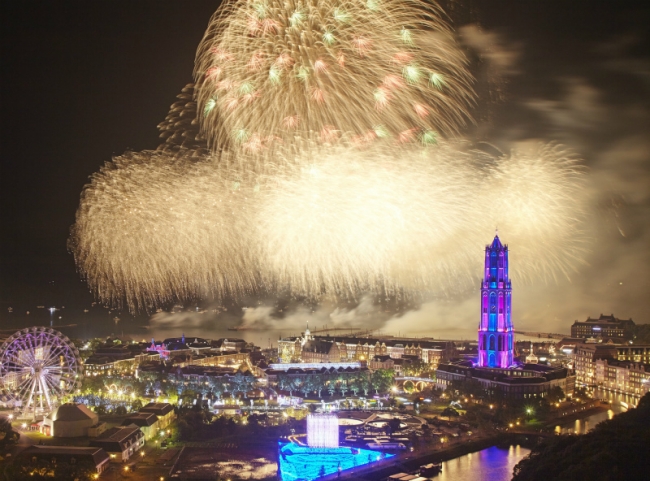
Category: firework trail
<point>336,221</point>
<point>270,70</point>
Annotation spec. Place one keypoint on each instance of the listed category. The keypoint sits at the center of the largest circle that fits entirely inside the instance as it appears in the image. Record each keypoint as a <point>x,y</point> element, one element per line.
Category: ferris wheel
<point>38,366</point>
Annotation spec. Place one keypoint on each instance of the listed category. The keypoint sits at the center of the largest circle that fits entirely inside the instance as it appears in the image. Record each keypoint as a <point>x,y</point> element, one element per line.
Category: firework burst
<point>336,221</point>
<point>154,226</point>
<point>300,69</point>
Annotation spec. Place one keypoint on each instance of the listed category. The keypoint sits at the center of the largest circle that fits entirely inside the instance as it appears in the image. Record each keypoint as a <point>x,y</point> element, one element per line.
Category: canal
<point>491,464</point>
<point>618,404</point>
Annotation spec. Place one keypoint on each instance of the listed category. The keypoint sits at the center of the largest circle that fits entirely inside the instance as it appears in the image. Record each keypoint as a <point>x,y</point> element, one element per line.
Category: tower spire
<point>496,332</point>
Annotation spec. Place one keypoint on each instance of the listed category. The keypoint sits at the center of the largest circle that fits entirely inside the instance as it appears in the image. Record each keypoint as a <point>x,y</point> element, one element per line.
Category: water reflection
<point>584,425</point>
<point>491,464</point>
<point>615,398</point>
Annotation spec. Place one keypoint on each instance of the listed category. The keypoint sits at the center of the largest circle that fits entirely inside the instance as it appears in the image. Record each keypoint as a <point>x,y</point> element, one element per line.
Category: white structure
<point>314,365</point>
<point>531,358</point>
<point>69,421</point>
<point>38,366</point>
<point>322,431</point>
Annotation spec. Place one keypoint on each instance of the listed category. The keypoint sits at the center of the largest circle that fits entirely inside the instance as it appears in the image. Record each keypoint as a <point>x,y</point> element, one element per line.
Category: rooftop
<point>141,420</point>
<point>160,409</point>
<point>118,434</point>
<point>73,412</point>
<point>98,454</point>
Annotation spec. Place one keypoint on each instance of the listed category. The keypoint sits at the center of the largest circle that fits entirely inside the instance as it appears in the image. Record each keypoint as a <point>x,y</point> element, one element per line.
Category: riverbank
<point>412,461</point>
<point>569,418</point>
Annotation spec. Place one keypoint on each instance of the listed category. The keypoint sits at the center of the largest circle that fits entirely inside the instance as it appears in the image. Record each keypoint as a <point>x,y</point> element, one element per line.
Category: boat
<point>430,469</point>
<point>387,446</point>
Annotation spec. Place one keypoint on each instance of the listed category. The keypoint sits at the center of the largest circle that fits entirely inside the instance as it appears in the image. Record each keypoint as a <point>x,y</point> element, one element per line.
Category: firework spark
<point>333,64</point>
<point>337,220</point>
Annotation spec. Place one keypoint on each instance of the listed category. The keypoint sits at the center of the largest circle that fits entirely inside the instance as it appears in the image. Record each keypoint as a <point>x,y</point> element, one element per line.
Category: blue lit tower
<point>495,331</point>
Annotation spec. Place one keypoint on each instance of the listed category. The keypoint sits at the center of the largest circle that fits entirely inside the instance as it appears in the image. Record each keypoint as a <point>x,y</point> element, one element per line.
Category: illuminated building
<point>351,348</point>
<point>585,357</point>
<point>50,456</point>
<point>605,327</point>
<point>323,431</point>
<point>323,351</point>
<point>496,369</point>
<point>625,377</point>
<point>636,353</point>
<point>496,333</point>
<point>69,421</point>
<point>163,411</point>
<point>530,381</point>
<point>120,442</point>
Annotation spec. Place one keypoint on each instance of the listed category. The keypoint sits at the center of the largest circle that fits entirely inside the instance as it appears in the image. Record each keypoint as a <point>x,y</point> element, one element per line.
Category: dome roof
<point>73,412</point>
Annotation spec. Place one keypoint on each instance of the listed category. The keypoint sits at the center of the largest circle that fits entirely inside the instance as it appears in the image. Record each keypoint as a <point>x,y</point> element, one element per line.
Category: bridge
<point>543,335</point>
<point>350,331</point>
<point>416,384</point>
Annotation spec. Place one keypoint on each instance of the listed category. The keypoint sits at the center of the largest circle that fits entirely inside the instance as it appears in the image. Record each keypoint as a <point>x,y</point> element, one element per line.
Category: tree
<point>613,450</point>
<point>469,387</point>
<point>343,387</point>
<point>449,412</point>
<point>7,435</point>
<point>286,383</point>
<point>580,393</point>
<point>364,382</point>
<point>318,383</point>
<point>641,334</point>
<point>394,425</point>
<point>355,386</point>
<point>120,410</point>
<point>556,394</point>
<point>382,380</point>
<point>307,386</point>
<point>136,405</point>
<point>188,396</point>
<point>331,387</point>
<point>415,368</point>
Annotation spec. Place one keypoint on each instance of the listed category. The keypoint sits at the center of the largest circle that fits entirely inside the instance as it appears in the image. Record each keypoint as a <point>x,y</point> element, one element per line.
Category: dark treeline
<point>618,449</point>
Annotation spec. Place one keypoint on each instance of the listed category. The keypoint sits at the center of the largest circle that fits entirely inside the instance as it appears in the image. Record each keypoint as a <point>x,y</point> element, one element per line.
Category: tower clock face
<point>494,308</point>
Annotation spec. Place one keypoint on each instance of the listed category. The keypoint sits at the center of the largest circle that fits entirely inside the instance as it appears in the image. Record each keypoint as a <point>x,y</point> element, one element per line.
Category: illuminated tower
<point>495,331</point>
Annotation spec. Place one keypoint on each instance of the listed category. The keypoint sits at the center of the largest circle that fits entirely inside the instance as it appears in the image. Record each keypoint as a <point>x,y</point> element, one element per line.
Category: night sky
<point>83,81</point>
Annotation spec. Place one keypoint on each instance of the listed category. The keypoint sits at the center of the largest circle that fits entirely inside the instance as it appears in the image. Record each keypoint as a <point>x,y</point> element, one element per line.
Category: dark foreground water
<point>491,464</point>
